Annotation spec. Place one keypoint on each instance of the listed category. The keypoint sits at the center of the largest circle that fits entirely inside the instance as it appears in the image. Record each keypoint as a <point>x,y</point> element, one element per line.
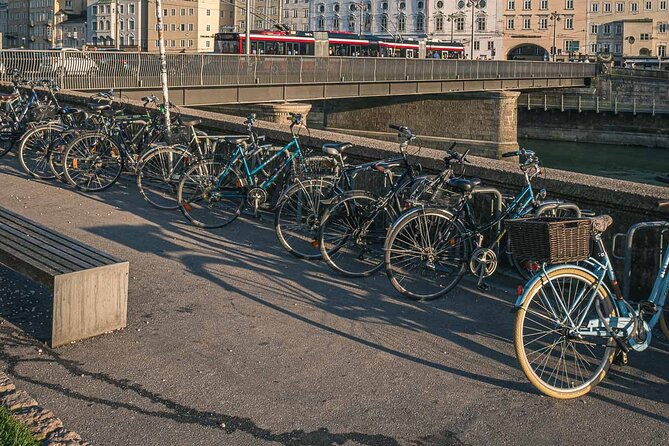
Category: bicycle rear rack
<point>663,226</point>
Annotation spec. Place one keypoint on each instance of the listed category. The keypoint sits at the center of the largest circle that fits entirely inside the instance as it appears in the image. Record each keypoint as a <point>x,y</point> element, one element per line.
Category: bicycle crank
<point>482,264</point>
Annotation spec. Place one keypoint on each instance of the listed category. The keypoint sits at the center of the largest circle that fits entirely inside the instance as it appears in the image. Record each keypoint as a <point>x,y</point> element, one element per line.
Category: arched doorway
<point>528,51</point>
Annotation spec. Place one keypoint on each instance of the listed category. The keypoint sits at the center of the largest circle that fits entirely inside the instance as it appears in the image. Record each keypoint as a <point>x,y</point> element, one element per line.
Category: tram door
<point>293,48</point>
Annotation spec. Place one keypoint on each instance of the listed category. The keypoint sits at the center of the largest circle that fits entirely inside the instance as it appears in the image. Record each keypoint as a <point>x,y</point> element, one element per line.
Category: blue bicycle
<point>213,192</point>
<point>570,321</point>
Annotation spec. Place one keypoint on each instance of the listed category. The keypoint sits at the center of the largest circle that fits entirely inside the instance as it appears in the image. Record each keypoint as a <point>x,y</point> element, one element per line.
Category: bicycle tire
<point>35,151</point>
<point>58,148</point>
<point>528,331</point>
<point>159,173</point>
<point>87,157</point>
<point>7,134</point>
<point>434,241</point>
<point>194,194</point>
<point>297,217</point>
<point>363,255</point>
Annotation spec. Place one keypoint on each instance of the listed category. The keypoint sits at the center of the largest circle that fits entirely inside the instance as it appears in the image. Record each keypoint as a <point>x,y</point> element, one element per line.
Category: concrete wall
<point>629,84</point>
<point>627,202</point>
<point>485,122</point>
<point>590,126</point>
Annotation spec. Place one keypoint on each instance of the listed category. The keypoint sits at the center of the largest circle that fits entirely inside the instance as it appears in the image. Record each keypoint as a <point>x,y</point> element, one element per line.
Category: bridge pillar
<point>485,122</point>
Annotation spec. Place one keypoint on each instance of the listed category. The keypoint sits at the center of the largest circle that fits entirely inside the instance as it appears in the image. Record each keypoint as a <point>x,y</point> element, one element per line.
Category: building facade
<point>544,29</point>
<point>190,25</point>
<point>629,29</point>
<point>458,21</point>
<point>3,23</point>
<point>296,14</point>
<point>227,16</point>
<point>265,14</point>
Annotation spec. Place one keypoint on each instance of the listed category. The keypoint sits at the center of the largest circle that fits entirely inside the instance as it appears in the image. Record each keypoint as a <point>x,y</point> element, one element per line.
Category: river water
<point>632,163</point>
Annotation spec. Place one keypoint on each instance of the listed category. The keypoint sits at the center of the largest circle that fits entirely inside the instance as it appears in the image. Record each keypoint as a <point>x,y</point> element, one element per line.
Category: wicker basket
<point>550,240</point>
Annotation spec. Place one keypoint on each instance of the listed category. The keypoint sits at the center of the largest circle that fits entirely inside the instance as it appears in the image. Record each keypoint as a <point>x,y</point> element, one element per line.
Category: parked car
<point>68,62</point>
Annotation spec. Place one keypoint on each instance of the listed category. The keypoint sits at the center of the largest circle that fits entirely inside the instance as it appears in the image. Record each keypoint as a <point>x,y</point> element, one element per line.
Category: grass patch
<point>13,433</point>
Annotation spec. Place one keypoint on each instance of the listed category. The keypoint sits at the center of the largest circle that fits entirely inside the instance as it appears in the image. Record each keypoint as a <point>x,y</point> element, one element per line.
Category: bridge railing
<point>103,69</point>
<point>590,102</point>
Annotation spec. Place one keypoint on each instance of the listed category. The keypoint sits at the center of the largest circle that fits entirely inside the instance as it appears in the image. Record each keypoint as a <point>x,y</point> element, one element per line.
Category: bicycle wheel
<point>208,199</point>
<point>35,150</point>
<point>352,234</point>
<point>159,173</point>
<point>58,147</point>
<point>557,361</point>
<point>297,218</point>
<point>7,134</point>
<point>528,268</point>
<point>426,254</point>
<point>92,162</point>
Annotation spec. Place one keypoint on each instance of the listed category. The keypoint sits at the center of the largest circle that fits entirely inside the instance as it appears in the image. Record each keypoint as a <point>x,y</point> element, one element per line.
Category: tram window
<point>228,46</point>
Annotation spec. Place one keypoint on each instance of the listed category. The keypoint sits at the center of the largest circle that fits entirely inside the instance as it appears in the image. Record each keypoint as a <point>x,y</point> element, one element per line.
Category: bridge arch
<point>528,51</point>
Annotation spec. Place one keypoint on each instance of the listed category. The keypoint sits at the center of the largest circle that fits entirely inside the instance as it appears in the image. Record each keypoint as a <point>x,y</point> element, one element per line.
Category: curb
<point>45,426</point>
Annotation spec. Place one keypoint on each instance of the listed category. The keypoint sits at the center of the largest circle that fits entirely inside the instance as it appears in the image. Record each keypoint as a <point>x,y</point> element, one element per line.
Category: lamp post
<point>474,4</point>
<point>555,17</point>
<point>451,18</point>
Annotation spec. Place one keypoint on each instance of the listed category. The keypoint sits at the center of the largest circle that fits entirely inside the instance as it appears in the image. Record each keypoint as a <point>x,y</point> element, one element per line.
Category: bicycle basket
<point>550,239</point>
<point>315,167</point>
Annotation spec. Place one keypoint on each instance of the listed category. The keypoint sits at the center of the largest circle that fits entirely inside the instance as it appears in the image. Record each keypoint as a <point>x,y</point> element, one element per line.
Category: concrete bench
<point>90,287</point>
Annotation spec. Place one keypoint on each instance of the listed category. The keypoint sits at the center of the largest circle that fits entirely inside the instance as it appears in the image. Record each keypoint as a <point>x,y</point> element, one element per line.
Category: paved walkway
<point>230,341</point>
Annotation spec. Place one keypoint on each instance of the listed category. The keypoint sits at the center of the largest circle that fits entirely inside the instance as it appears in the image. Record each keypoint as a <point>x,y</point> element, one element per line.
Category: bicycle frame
<point>250,174</point>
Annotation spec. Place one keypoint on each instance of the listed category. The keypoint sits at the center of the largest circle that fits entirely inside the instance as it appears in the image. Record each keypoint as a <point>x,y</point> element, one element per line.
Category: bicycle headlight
<point>542,194</point>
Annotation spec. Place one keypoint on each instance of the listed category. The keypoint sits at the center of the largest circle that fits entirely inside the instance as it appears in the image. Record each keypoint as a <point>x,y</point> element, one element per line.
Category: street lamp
<point>555,17</point>
<point>474,4</point>
<point>451,18</point>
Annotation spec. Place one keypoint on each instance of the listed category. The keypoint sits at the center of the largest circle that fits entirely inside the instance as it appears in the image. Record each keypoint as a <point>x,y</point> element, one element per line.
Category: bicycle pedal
<point>482,286</point>
<point>621,359</point>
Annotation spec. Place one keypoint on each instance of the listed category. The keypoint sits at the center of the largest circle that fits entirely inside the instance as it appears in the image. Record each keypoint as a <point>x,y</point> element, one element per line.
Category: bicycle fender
<point>419,210</point>
<point>530,284</point>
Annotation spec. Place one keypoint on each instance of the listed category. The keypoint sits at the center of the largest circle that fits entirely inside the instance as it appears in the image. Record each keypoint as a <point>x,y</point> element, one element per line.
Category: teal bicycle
<point>570,321</point>
<point>213,192</point>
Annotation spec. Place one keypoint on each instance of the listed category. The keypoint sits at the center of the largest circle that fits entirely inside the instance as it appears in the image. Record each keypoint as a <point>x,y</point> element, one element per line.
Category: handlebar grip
<point>396,127</point>
<point>509,154</point>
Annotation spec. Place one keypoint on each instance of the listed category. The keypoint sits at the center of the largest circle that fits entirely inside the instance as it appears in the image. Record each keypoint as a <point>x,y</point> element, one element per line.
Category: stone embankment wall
<point>623,128</point>
<point>627,202</point>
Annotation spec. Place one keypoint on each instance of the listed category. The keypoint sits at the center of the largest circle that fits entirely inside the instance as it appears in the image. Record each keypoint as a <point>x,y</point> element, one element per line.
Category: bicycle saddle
<point>8,97</point>
<point>236,140</point>
<point>382,166</point>
<point>190,122</point>
<point>465,185</point>
<point>98,107</point>
<point>601,223</point>
<point>335,149</point>
<point>67,111</point>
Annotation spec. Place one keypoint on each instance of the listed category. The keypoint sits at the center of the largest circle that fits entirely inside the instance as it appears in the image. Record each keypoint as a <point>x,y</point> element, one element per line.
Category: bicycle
<point>219,188</point>
<point>94,161</point>
<point>354,224</point>
<point>429,248</point>
<point>571,321</point>
<point>161,168</point>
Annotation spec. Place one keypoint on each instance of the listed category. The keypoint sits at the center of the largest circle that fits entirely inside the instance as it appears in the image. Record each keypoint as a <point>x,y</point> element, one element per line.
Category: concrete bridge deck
<point>231,341</point>
<point>208,79</point>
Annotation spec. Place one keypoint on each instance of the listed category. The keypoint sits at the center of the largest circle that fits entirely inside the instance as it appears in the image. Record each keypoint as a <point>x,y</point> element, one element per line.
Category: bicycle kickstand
<point>480,285</point>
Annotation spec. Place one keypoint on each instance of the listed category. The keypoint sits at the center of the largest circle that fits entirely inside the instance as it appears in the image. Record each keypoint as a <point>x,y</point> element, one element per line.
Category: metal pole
<point>118,44</point>
<point>163,65</point>
<point>474,4</point>
<point>248,27</point>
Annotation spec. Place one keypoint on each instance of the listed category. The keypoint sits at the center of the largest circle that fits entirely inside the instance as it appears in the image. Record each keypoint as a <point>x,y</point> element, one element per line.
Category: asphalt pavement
<point>231,341</point>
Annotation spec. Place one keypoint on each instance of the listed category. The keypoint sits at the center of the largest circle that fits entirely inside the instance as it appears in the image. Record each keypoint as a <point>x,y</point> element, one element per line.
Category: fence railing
<point>102,69</point>
<point>635,73</point>
<point>590,102</point>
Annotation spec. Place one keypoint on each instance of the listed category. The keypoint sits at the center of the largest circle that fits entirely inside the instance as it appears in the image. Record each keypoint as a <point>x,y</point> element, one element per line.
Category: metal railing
<point>635,73</point>
<point>590,102</point>
<point>101,70</point>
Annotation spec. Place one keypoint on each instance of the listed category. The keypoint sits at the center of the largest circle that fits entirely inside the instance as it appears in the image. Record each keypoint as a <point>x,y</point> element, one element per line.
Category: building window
<point>402,23</point>
<point>618,48</point>
<point>174,13</point>
<point>510,23</point>
<point>131,10</point>
<point>439,23</point>
<point>306,13</point>
<point>543,5</point>
<point>207,43</point>
<point>511,5</point>
<point>131,24</point>
<point>208,12</point>
<point>569,23</point>
<point>481,23</point>
<point>662,28</point>
<point>649,6</point>
<point>335,23</point>
<point>384,23</point>
<point>620,7</point>
<point>543,23</point>
<point>285,13</point>
<point>321,23</point>
<point>491,45</point>
<point>663,5</point>
<point>594,29</point>
<point>191,11</point>
<point>477,45</point>
<point>607,7</point>
<point>527,4</point>
<point>569,4</point>
<point>594,7</point>
<point>420,22</point>
<point>527,22</point>
<point>460,24</point>
<point>644,36</point>
<point>190,27</point>
<point>634,7</point>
